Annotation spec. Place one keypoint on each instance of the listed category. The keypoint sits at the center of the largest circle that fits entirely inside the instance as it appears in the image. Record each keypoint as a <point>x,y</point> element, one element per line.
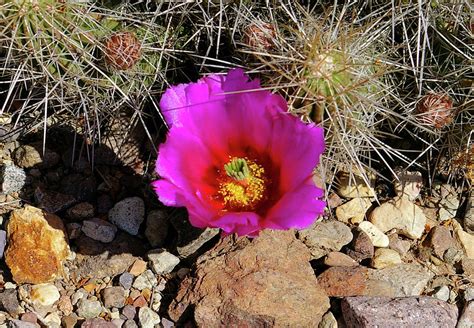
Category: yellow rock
<point>37,245</point>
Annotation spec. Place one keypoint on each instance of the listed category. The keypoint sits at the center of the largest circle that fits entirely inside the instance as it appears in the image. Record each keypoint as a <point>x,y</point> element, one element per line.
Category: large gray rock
<point>324,237</point>
<point>12,178</point>
<point>386,312</point>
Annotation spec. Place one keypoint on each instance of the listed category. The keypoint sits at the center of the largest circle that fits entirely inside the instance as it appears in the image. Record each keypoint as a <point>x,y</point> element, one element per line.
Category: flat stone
<point>81,211</point>
<point>37,245</point>
<point>99,230</point>
<point>146,280</point>
<point>9,302</point>
<point>12,178</point>
<point>126,280</point>
<point>148,318</point>
<point>466,320</point>
<point>409,184</point>
<point>113,297</point>
<point>273,268</point>
<point>128,214</point>
<point>137,268</point>
<point>44,294</point>
<point>88,309</point>
<point>157,226</point>
<point>52,201</point>
<point>320,237</point>
<point>385,257</point>
<point>400,214</point>
<point>364,312</point>
<point>162,261</point>
<point>467,242</point>
<point>361,247</point>
<point>376,236</point>
<point>339,259</point>
<point>403,279</point>
<point>439,239</point>
<point>354,210</point>
<point>344,281</point>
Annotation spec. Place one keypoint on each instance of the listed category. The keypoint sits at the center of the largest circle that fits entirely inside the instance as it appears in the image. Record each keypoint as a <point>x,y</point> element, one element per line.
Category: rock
<point>44,294</point>
<point>319,238</point>
<point>377,237</point>
<point>468,267</point>
<point>126,280</point>
<point>69,321</point>
<point>167,323</point>
<point>273,268</point>
<point>128,214</point>
<point>81,211</point>
<point>130,324</point>
<point>442,293</point>
<point>409,184</point>
<point>88,309</point>
<point>403,279</point>
<point>129,312</point>
<point>468,220</point>
<point>138,267</point>
<point>97,323</point>
<point>73,230</point>
<point>161,261</point>
<point>140,302</point>
<point>399,245</point>
<point>361,247</point>
<point>449,202</point>
<point>29,317</point>
<point>9,302</point>
<point>339,259</point>
<point>27,156</point>
<point>65,305</point>
<point>12,178</point>
<point>3,242</point>
<point>113,297</point>
<point>466,320</point>
<point>146,280</point>
<point>467,242</point>
<point>354,210</point>
<point>469,294</point>
<point>453,255</point>
<point>344,281</point>
<point>328,321</point>
<point>363,311</point>
<point>53,320</point>
<point>37,245</point>
<point>439,239</point>
<point>354,185</point>
<point>385,257</point>
<point>400,214</point>
<point>100,230</point>
<point>188,244</point>
<point>52,201</point>
<point>156,227</point>
<point>148,318</point>
<point>21,324</point>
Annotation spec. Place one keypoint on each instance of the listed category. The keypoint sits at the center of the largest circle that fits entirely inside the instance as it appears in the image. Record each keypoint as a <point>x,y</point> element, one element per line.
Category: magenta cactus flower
<point>236,159</point>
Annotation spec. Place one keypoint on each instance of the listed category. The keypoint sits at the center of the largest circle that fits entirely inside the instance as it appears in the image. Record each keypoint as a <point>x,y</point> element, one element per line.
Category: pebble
<point>128,214</point>
<point>408,184</point>
<point>385,257</point>
<point>113,297</point>
<point>78,295</point>
<point>130,324</point>
<point>88,308</point>
<point>9,302</point>
<point>400,214</point>
<point>53,319</point>
<point>138,267</point>
<point>376,236</point>
<point>146,280</point>
<point>157,226</point>
<point>167,323</point>
<point>65,305</point>
<point>361,247</point>
<point>328,321</point>
<point>442,293</point>
<point>129,312</point>
<point>439,239</point>
<point>354,210</point>
<point>14,323</point>
<point>140,302</point>
<point>126,280</point>
<point>97,323</point>
<point>364,312</point>
<point>398,244</point>
<point>30,317</point>
<point>69,321</point>
<point>99,230</point>
<point>156,300</point>
<point>12,178</point>
<point>335,259</point>
<point>81,211</point>
<point>319,238</point>
<point>469,294</point>
<point>467,242</point>
<point>162,261</point>
<point>118,323</point>
<point>148,318</point>
<point>466,320</point>
<point>44,294</point>
<point>27,156</point>
<point>452,255</point>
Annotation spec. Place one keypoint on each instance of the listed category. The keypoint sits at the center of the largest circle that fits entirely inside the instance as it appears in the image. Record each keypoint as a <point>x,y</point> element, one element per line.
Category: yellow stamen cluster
<point>244,194</point>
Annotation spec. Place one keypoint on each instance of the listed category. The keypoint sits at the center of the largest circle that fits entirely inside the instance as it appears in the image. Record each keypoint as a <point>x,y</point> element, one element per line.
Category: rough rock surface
<point>407,312</point>
<point>128,214</point>
<point>37,245</point>
<point>273,268</point>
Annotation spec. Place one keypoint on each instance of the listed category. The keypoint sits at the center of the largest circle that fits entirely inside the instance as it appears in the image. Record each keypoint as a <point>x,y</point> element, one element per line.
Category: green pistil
<point>238,169</point>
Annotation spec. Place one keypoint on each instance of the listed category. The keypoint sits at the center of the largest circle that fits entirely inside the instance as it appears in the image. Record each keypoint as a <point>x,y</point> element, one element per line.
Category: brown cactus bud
<point>260,35</point>
<point>435,110</point>
<point>122,50</point>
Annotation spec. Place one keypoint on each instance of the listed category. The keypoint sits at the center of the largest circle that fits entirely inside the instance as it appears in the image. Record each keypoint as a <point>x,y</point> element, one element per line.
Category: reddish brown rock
<point>344,281</point>
<point>263,282</point>
<point>37,245</point>
<point>440,239</point>
<point>361,247</point>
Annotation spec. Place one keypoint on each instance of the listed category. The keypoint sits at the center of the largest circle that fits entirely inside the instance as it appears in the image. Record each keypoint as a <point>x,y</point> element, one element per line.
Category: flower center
<point>243,186</point>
